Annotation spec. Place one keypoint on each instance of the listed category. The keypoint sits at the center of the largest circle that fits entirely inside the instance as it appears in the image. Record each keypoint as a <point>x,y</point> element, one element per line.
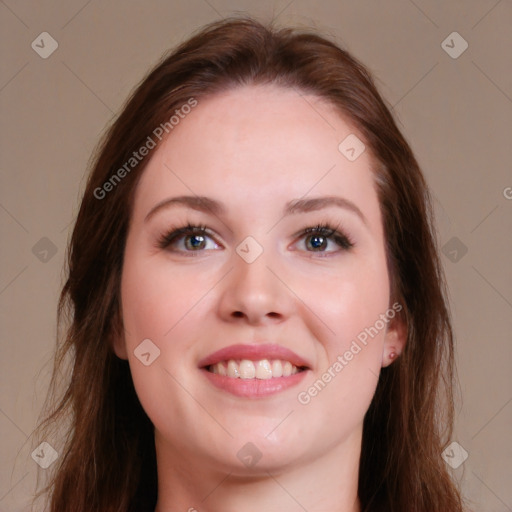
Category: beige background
<point>456,112</point>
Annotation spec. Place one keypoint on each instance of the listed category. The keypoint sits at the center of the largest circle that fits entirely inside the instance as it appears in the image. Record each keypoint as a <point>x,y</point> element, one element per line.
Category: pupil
<point>196,241</point>
<point>317,242</point>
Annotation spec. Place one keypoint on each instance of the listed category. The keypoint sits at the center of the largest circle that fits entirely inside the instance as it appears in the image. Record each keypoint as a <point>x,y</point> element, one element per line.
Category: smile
<point>255,370</point>
<point>262,369</point>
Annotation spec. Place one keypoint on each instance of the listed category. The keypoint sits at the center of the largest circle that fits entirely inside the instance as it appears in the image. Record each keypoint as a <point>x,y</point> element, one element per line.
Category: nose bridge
<point>252,277</point>
<point>253,290</point>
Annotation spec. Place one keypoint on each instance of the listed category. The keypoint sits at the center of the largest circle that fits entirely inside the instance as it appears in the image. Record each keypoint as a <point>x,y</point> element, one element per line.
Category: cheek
<point>156,299</point>
<point>161,306</point>
<point>352,306</point>
<point>343,387</point>
<point>346,301</point>
<point>156,307</point>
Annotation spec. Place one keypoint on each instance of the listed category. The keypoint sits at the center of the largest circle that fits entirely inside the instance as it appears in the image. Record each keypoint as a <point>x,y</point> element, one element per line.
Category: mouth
<point>254,371</point>
<point>262,369</point>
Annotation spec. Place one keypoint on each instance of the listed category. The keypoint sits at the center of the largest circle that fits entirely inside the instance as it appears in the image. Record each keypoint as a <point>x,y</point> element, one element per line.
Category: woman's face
<point>268,311</point>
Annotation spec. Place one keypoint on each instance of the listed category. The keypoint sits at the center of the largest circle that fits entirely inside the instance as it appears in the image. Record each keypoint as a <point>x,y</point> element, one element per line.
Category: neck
<point>328,482</point>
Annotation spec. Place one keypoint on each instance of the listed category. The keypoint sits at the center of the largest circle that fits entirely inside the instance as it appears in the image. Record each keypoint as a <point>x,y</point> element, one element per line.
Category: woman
<point>257,311</point>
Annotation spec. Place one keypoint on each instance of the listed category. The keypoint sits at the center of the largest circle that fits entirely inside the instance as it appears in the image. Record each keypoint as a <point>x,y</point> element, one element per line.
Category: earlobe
<point>394,342</point>
<point>117,340</point>
<point>119,346</point>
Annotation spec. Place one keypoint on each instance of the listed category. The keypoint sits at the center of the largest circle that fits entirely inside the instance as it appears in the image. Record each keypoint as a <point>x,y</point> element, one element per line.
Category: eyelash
<point>175,234</point>
<point>324,230</point>
<point>327,231</point>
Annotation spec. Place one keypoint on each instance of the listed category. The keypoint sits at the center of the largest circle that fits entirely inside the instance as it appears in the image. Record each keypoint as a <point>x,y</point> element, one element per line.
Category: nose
<point>253,293</point>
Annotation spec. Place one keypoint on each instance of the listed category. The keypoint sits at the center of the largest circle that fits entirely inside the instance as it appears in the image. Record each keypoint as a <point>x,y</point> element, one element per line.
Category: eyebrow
<point>318,203</point>
<point>199,203</point>
<point>207,205</point>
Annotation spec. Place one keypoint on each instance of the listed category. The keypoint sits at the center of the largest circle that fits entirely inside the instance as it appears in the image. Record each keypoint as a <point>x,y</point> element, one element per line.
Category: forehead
<point>258,144</point>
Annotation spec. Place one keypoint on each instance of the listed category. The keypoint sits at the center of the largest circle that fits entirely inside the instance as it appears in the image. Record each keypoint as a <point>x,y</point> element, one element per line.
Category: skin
<point>254,149</point>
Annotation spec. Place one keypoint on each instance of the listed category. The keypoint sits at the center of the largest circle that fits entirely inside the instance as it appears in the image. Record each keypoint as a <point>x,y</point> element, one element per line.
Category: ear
<point>394,341</point>
<point>119,347</point>
<point>117,339</point>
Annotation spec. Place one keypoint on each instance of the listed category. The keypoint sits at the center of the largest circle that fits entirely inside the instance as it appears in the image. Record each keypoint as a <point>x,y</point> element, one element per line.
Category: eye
<point>325,239</point>
<point>188,239</point>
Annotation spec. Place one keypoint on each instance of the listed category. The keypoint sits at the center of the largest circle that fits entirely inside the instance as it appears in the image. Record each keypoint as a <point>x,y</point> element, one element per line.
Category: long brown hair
<point>107,459</point>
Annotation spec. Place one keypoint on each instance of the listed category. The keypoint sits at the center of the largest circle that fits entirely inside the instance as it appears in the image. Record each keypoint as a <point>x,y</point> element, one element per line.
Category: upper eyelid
<point>187,230</point>
<point>331,233</point>
<point>193,228</point>
<point>329,228</point>
<point>172,237</point>
<point>326,228</point>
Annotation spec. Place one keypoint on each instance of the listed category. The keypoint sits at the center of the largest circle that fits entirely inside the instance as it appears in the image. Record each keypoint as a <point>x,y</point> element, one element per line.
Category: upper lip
<point>253,353</point>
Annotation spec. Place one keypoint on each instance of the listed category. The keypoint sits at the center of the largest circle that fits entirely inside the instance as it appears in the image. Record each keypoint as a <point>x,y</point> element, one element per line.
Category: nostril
<point>237,314</point>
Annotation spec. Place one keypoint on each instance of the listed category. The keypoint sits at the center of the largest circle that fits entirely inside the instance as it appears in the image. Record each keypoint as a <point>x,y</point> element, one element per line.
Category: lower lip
<point>254,388</point>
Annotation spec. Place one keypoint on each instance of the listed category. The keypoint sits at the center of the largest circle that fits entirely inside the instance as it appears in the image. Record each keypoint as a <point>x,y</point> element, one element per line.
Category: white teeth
<point>221,369</point>
<point>263,370</point>
<point>246,369</point>
<point>232,369</point>
<point>277,369</point>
